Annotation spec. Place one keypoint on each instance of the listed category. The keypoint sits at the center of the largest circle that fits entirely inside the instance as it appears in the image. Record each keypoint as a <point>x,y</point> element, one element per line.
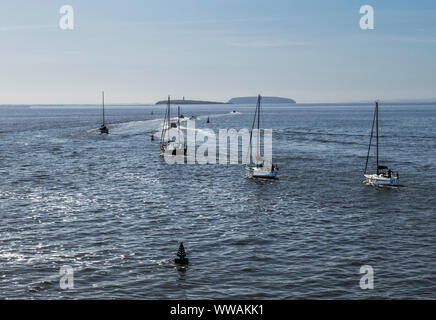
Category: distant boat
<point>383,176</point>
<point>167,146</point>
<point>103,129</point>
<point>257,169</point>
<point>207,121</point>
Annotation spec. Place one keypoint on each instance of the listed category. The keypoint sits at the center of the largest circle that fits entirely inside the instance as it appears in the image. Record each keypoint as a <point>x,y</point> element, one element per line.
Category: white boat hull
<point>381,180</point>
<point>173,148</point>
<point>262,173</point>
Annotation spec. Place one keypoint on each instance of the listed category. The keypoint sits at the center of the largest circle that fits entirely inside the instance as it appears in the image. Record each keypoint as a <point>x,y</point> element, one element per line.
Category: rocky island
<point>238,100</point>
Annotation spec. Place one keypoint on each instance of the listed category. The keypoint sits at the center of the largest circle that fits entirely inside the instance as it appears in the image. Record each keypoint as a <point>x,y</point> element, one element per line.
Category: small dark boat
<point>103,129</point>
<point>208,120</point>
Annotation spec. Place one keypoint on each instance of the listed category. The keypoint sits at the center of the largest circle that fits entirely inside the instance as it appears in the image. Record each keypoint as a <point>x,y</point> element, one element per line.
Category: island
<point>253,100</point>
<point>189,102</point>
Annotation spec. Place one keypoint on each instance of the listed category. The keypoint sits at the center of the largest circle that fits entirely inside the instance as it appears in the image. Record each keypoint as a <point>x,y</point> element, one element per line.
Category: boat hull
<point>381,180</point>
<point>173,149</point>
<point>260,173</point>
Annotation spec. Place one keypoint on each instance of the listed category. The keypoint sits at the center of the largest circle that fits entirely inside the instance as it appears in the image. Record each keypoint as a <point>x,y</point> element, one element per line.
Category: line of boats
<point>259,169</point>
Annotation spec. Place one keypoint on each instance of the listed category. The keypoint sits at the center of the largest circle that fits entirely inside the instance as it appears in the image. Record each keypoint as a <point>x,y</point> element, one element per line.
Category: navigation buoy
<point>181,255</point>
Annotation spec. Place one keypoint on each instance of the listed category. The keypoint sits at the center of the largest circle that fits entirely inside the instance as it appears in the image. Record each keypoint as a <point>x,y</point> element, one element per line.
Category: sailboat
<point>257,169</point>
<point>103,129</point>
<point>171,147</point>
<point>208,120</point>
<point>383,176</point>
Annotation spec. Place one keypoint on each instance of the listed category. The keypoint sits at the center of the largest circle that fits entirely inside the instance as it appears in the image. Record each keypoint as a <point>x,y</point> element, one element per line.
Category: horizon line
<point>413,102</point>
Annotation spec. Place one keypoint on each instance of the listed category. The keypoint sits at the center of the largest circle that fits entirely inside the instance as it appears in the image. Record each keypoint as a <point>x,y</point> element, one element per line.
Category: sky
<point>139,51</point>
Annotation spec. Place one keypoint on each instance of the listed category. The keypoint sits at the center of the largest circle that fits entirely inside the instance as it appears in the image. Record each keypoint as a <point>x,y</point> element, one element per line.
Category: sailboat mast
<point>169,110</point>
<point>178,122</point>
<point>258,128</point>
<point>258,112</point>
<point>376,130</point>
<point>370,140</point>
<point>165,125</point>
<point>103,104</point>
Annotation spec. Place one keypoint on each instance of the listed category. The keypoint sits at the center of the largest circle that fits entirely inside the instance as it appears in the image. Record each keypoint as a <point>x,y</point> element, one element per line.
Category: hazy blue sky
<point>140,51</point>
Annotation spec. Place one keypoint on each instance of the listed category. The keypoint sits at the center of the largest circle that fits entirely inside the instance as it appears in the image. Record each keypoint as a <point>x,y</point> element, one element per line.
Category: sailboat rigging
<point>167,146</point>
<point>258,169</point>
<point>383,176</point>
<point>103,129</point>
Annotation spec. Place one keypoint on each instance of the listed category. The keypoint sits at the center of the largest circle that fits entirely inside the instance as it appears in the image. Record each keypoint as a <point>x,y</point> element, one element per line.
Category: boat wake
<point>131,128</point>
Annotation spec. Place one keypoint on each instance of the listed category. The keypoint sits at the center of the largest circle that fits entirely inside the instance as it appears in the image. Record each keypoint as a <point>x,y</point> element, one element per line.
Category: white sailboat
<point>259,169</point>
<point>383,176</point>
<point>167,146</point>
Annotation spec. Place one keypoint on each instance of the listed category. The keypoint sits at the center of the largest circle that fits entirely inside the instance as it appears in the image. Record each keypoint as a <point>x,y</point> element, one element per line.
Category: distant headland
<point>238,100</point>
<point>189,102</point>
<point>247,100</point>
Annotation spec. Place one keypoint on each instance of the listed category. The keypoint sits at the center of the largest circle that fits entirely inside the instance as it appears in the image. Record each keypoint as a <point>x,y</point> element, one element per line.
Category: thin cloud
<point>200,22</point>
<point>271,44</point>
<point>412,39</point>
<point>25,28</point>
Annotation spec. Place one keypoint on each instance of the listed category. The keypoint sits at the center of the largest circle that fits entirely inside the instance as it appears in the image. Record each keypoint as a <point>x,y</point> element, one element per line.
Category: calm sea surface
<point>113,210</point>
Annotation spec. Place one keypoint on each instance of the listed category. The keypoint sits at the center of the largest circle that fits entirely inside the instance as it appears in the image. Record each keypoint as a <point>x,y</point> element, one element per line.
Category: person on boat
<point>389,173</point>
